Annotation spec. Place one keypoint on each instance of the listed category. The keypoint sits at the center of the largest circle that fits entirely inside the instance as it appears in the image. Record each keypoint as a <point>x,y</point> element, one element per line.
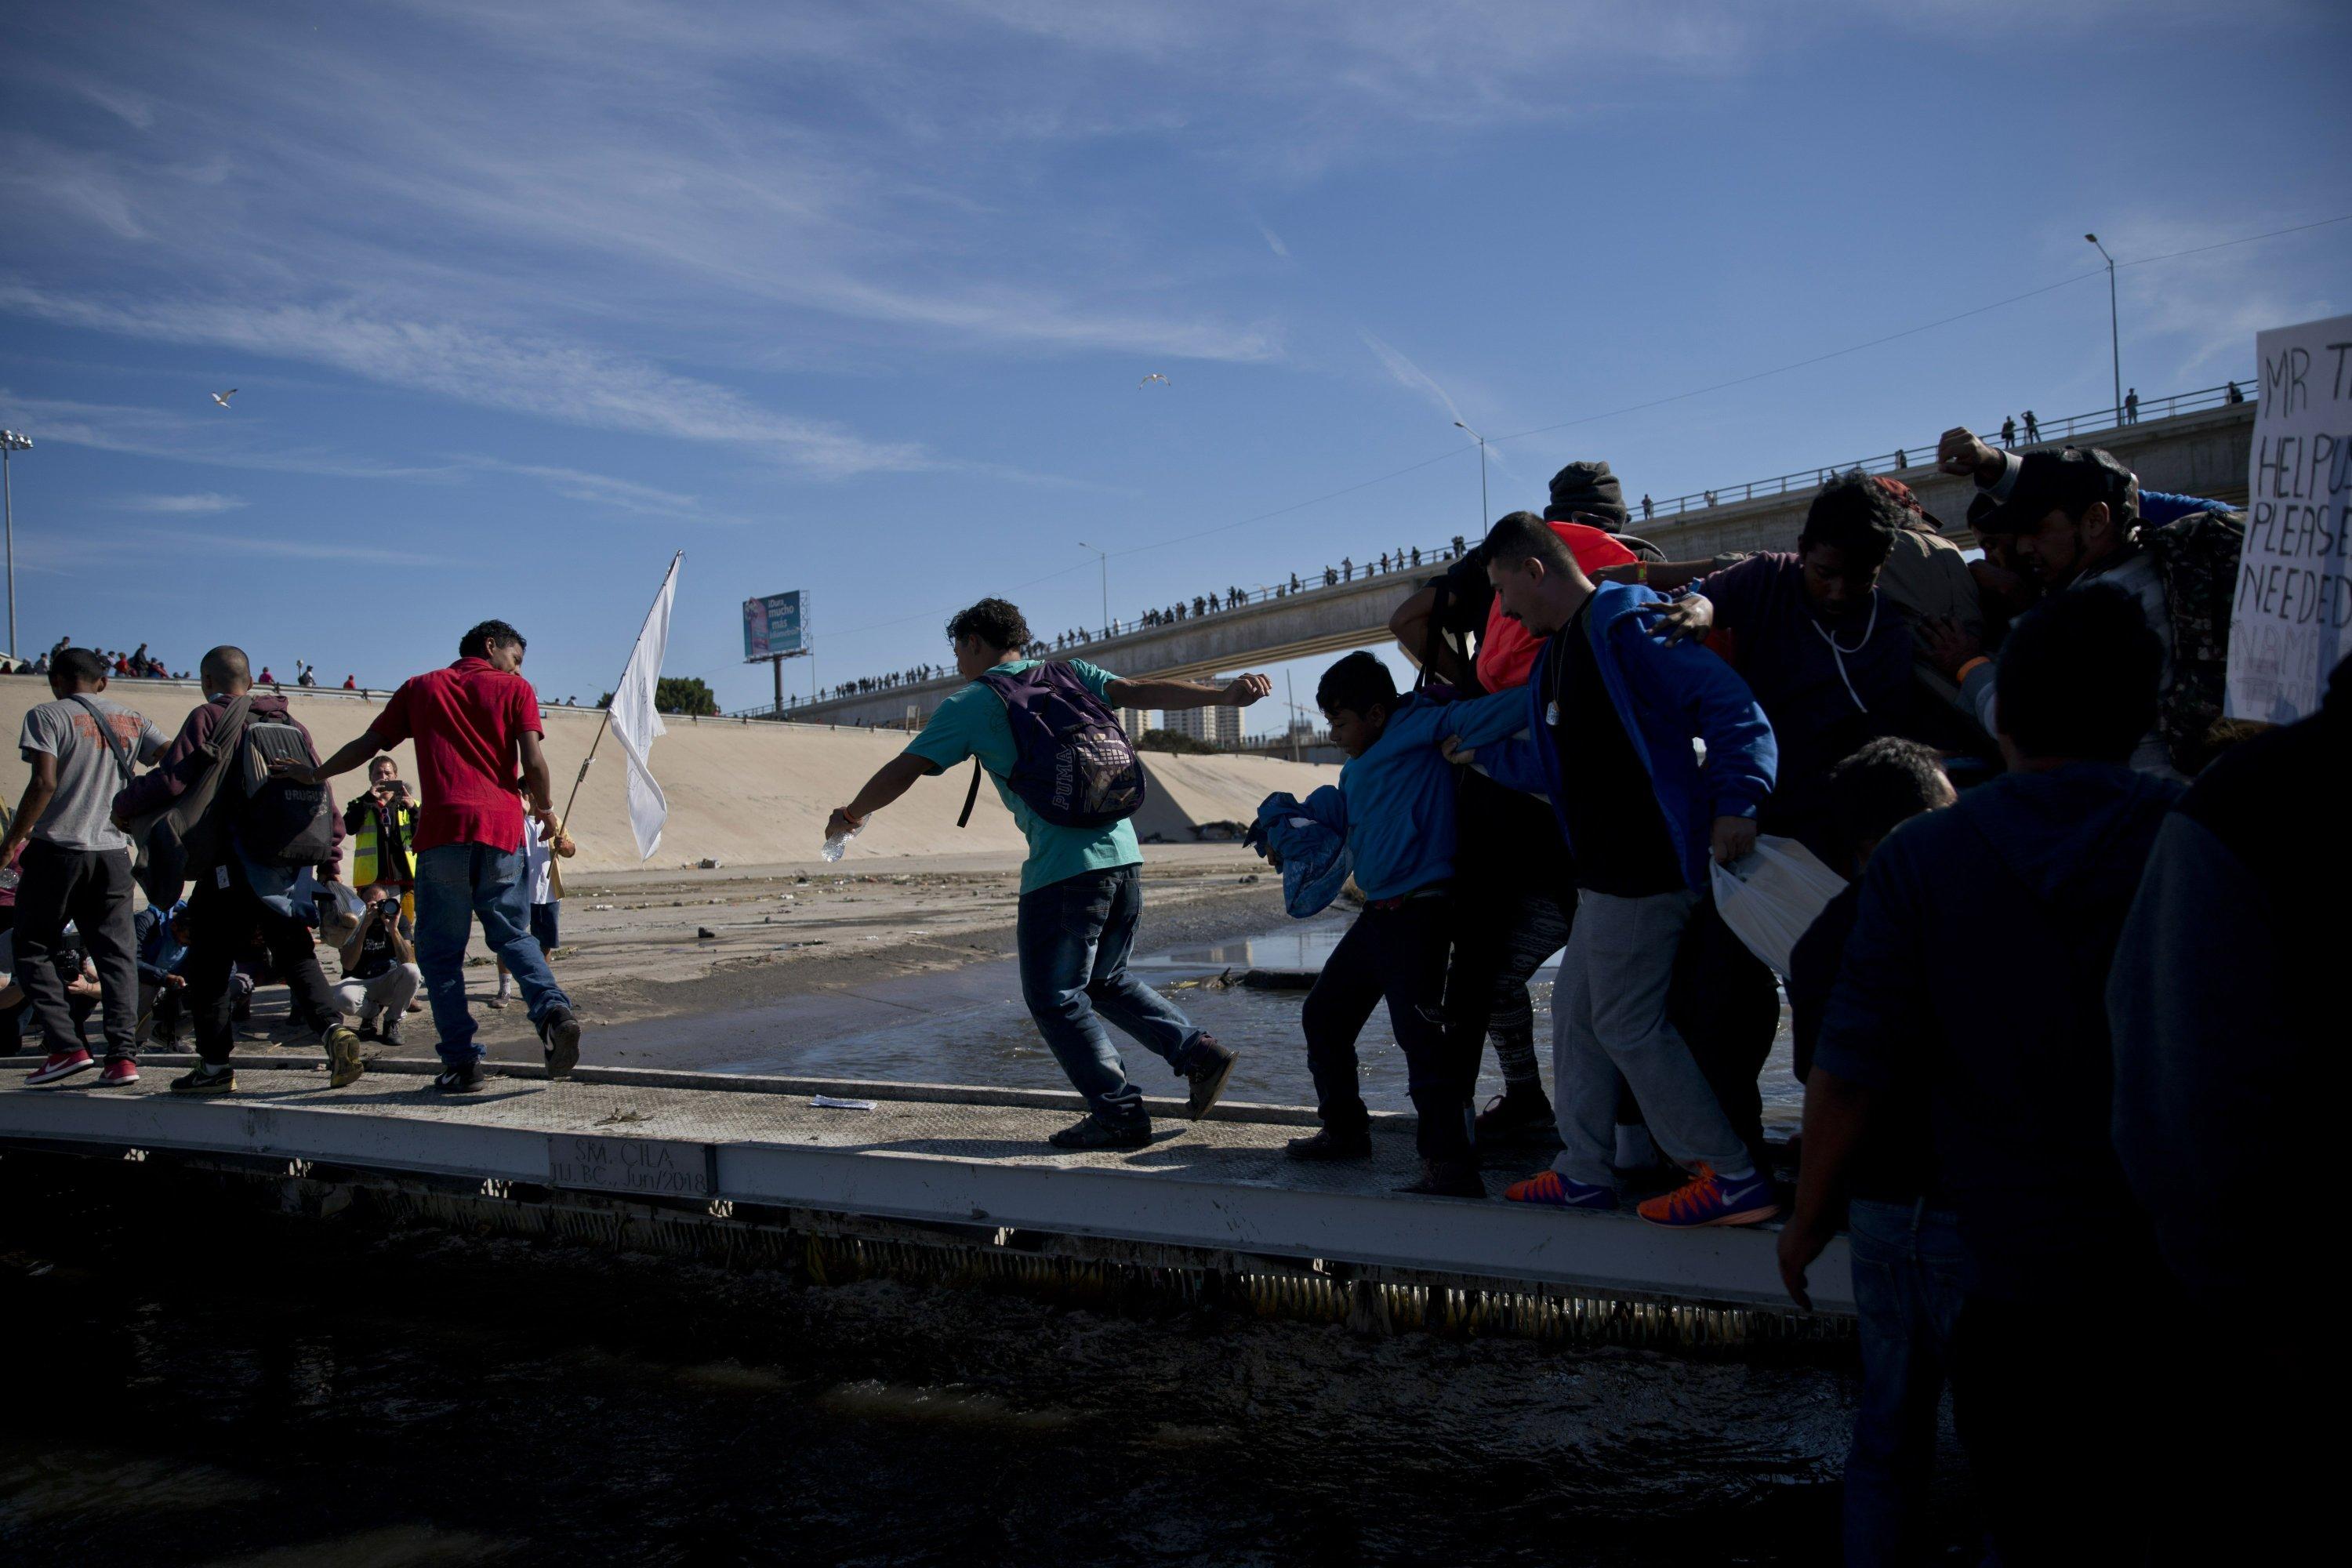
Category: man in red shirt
<point>476,729</point>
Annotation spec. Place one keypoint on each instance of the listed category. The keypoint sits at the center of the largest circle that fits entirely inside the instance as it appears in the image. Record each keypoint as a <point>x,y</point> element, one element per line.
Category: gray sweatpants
<point>389,994</point>
<point>1609,1016</point>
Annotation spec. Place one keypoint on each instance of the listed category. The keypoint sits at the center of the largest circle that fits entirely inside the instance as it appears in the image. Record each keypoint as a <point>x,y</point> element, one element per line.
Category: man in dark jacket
<point>2227,1087</point>
<point>2032,873</point>
<point>233,896</point>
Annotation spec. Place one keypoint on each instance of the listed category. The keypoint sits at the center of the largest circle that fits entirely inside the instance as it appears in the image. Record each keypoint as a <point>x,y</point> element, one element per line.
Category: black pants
<point>2062,1411</point>
<point>1399,954</point>
<point>1513,901</point>
<point>222,921</point>
<point>92,888</point>
<point>1725,1006</point>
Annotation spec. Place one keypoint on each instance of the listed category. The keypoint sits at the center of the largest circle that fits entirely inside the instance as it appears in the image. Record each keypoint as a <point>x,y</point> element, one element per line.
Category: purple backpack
<point>1072,764</point>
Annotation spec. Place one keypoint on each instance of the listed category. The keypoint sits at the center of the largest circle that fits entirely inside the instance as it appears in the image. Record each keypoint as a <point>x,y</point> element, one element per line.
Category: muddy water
<point>969,1025</point>
<point>221,1386</point>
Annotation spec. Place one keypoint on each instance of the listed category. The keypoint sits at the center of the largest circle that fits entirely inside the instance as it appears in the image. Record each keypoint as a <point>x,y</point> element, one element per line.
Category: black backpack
<point>1072,764</point>
<point>280,823</point>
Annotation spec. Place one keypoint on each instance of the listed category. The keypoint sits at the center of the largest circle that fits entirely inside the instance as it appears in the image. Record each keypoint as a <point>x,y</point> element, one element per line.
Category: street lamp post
<point>1483,518</point>
<point>1106,583</point>
<point>10,441</point>
<point>2115,329</point>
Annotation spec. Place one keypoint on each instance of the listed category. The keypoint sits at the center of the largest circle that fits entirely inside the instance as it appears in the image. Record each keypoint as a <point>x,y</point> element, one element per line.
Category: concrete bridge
<point>2202,452</point>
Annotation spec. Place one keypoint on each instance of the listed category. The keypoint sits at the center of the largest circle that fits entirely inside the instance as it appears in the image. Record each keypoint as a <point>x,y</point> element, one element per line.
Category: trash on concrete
<point>827,1102</point>
<point>705,933</point>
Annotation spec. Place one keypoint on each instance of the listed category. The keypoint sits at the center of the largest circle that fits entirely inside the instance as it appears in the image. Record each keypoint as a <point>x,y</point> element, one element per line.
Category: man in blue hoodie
<point>1394,807</point>
<point>1611,719</point>
<point>2032,873</point>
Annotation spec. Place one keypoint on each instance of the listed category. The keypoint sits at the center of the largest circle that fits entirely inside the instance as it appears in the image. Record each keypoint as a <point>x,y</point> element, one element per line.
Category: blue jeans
<point>455,883</point>
<point>1074,938</point>
<point>1907,1296</point>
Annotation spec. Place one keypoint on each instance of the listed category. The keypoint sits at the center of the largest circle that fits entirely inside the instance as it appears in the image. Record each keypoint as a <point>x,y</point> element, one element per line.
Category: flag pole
<point>581,777</point>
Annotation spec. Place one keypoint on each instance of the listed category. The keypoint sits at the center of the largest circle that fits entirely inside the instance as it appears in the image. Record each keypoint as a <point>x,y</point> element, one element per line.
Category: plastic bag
<point>1770,897</point>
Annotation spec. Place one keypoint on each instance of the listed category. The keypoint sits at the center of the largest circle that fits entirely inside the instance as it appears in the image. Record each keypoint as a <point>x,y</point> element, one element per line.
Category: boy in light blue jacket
<point>1394,807</point>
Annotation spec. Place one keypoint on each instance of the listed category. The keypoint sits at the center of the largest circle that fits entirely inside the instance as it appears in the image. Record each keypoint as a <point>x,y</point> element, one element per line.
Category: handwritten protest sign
<point>2288,625</point>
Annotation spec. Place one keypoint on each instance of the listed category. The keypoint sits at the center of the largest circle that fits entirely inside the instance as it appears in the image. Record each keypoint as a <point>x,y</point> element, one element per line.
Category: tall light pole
<point>1106,583</point>
<point>11,442</point>
<point>2115,329</point>
<point>1483,518</point>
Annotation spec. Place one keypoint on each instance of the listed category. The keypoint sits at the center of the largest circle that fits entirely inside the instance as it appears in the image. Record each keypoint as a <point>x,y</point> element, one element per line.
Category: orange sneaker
<point>1707,1199</point>
<point>1549,1189</point>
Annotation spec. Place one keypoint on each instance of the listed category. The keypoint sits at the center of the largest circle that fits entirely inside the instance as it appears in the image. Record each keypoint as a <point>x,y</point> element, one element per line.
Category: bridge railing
<point>2039,433</point>
<point>1645,509</point>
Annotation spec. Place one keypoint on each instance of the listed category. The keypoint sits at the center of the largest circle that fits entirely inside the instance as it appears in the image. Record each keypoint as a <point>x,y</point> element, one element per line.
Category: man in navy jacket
<point>1614,716</point>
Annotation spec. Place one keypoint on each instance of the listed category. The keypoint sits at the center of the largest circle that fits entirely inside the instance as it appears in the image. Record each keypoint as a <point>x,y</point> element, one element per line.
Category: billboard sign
<point>773,627</point>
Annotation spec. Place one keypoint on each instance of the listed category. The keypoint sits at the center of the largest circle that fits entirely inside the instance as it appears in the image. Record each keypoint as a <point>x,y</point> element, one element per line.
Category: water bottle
<point>837,846</point>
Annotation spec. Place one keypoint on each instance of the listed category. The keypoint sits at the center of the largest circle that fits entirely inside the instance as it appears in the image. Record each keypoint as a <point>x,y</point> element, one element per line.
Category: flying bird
<point>222,397</point>
<point>1147,379</point>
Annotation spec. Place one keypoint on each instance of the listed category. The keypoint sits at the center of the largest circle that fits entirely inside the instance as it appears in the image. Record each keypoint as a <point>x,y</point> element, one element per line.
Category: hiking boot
<point>1448,1179</point>
<point>1211,1065</point>
<point>1549,1189</point>
<point>366,1031</point>
<point>1328,1145</point>
<point>208,1078</point>
<point>118,1072</point>
<point>343,1064</point>
<point>559,1034</point>
<point>1520,1114</point>
<point>1093,1132</point>
<point>390,1037</point>
<point>1707,1199</point>
<point>466,1077</point>
<point>61,1065</point>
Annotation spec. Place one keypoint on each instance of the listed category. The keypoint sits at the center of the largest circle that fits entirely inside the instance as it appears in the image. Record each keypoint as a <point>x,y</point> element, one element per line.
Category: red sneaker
<point>61,1065</point>
<point>118,1071</point>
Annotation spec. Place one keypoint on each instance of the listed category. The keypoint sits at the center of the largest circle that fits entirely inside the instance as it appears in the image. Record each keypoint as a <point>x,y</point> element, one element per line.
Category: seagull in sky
<point>222,397</point>
<point>1147,379</point>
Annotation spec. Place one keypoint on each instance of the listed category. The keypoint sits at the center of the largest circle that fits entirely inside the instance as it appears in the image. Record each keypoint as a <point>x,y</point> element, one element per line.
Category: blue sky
<point>520,298</point>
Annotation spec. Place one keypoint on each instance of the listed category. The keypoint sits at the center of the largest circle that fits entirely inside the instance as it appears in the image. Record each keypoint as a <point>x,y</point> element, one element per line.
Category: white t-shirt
<point>537,862</point>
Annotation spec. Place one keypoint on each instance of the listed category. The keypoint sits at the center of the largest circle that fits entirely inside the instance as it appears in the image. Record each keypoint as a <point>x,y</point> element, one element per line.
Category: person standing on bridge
<point>476,729</point>
<point>1081,888</point>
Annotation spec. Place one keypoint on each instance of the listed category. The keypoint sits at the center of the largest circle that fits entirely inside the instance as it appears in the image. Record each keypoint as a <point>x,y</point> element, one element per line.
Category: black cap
<point>2069,476</point>
<point>1587,487</point>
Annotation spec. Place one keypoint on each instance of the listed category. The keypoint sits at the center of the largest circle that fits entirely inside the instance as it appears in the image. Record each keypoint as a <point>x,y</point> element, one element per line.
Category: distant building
<point>1220,726</point>
<point>1136,720</point>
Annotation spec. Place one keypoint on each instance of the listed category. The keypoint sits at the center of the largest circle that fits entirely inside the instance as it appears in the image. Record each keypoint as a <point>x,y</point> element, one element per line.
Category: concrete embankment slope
<point>743,794</point>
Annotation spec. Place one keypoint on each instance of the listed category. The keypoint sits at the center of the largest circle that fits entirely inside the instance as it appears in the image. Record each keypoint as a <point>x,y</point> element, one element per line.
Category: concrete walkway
<point>927,1153</point>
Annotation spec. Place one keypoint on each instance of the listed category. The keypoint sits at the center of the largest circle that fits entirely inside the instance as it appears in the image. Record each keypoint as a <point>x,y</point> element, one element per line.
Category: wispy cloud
<point>199,504</point>
<point>278,544</point>
<point>149,432</point>
<point>602,489</point>
<point>575,382</point>
<point>1274,242</point>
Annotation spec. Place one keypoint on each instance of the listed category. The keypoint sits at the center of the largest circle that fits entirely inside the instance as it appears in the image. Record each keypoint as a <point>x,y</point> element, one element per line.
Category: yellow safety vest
<point>366,852</point>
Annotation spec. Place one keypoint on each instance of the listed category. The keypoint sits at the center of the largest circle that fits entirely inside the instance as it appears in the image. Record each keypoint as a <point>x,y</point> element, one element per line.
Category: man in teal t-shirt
<point>1081,888</point>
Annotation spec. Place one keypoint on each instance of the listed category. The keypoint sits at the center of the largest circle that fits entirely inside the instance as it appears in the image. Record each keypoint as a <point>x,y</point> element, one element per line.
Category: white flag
<point>635,721</point>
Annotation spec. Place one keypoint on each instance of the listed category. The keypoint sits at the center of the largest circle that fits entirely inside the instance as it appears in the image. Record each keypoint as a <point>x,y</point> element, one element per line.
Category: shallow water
<point>970,1026</point>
